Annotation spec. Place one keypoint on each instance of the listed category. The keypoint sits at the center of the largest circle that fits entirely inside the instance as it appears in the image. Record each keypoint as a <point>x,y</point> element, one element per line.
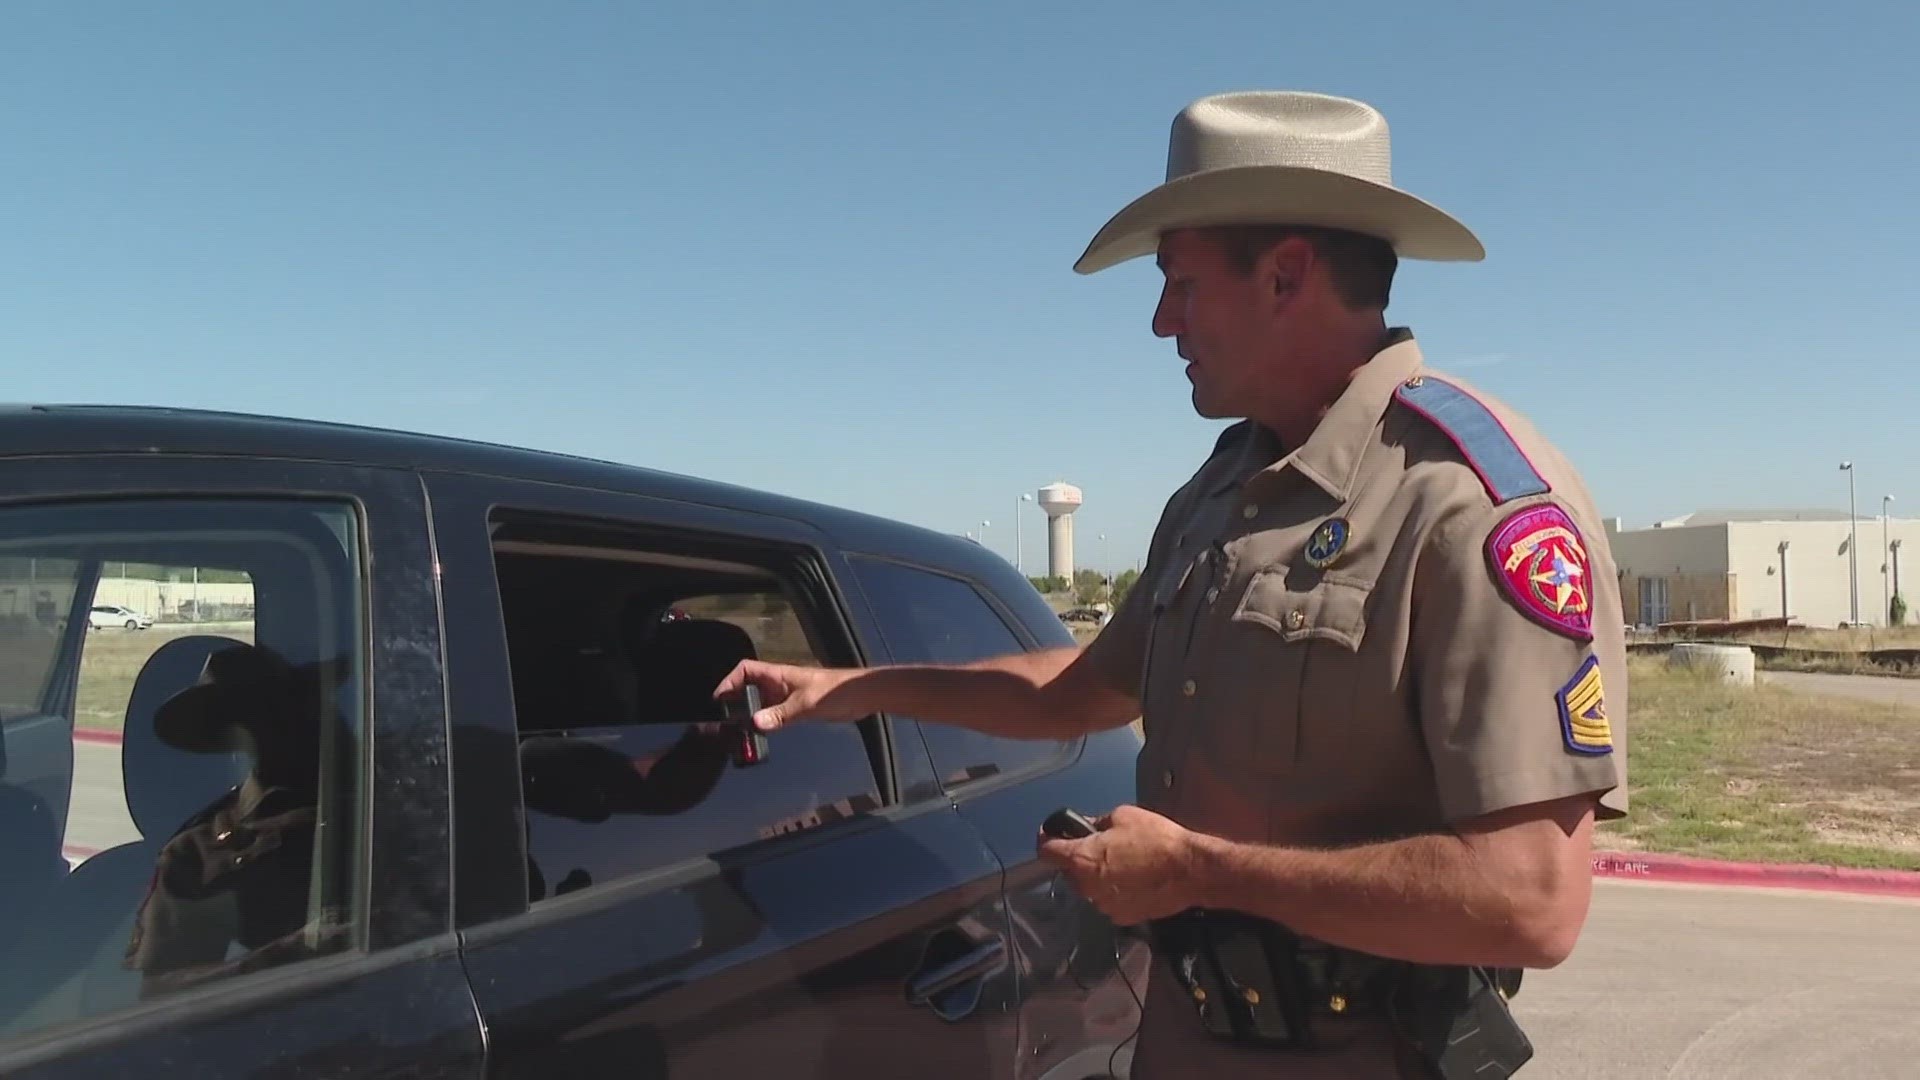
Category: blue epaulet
<point>1482,439</point>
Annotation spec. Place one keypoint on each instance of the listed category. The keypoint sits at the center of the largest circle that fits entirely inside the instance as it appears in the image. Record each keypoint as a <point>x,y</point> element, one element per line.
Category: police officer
<point>1377,646</point>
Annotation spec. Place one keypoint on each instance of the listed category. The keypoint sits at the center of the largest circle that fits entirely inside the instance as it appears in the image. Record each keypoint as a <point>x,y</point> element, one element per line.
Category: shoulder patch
<point>1487,445</point>
<point>1541,562</point>
<point>1583,711</point>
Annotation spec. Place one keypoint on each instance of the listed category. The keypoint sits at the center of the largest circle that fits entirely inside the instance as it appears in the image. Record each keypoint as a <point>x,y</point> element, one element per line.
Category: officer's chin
<point>1209,409</point>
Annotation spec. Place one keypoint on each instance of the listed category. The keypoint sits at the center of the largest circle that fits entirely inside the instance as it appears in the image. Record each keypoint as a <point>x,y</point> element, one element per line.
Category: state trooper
<point>1377,647</point>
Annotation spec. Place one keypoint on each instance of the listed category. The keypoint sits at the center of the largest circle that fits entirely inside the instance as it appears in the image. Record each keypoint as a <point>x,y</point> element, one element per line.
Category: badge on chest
<point>1327,543</point>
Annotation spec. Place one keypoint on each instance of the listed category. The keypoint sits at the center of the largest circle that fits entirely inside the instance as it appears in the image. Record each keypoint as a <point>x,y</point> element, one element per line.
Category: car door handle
<point>952,987</point>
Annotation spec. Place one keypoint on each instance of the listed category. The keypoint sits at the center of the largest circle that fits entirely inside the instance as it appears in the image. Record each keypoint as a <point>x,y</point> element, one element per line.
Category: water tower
<point>1060,501</point>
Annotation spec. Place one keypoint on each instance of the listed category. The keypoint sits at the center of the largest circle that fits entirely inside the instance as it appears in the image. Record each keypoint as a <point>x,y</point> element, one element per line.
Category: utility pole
<point>1019,546</point>
<point>1785,612</point>
<point>1896,575</point>
<point>1853,547</point>
<point>1886,562</point>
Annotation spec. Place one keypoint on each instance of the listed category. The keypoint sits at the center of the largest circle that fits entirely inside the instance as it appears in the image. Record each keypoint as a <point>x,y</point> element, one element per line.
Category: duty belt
<point>1257,983</point>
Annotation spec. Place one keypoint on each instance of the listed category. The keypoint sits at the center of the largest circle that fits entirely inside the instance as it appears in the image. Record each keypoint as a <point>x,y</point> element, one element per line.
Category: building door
<point>1653,600</point>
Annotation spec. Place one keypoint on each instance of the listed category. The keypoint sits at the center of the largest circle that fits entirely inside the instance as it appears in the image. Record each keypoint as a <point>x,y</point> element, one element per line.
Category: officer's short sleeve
<point>1118,654</point>
<point>1512,684</point>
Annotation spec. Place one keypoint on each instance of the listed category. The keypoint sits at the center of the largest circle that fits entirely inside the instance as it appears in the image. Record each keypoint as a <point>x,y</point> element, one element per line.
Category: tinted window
<point>625,767</point>
<point>767,617</point>
<point>36,595</point>
<point>196,770</point>
<point>933,618</point>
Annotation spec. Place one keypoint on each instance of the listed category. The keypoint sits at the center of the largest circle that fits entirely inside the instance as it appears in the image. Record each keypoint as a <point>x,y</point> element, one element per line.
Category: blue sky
<point>737,239</point>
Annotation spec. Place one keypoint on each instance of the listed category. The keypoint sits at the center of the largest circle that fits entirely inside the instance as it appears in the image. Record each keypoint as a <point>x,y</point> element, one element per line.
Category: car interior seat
<point>74,965</point>
<point>679,664</point>
<point>30,857</point>
<point>592,772</point>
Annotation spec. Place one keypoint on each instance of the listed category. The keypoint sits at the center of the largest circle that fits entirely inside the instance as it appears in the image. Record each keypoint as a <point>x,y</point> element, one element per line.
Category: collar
<point>1331,456</point>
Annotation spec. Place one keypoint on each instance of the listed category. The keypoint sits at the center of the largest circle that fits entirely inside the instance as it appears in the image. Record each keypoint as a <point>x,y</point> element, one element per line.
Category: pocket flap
<point>1329,607</point>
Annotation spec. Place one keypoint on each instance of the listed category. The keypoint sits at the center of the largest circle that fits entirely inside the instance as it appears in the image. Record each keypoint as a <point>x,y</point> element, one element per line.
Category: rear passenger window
<point>182,727</point>
<point>615,647</point>
<point>937,619</point>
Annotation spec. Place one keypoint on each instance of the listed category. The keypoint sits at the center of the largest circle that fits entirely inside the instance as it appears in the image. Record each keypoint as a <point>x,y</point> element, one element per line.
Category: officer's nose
<point>1170,315</point>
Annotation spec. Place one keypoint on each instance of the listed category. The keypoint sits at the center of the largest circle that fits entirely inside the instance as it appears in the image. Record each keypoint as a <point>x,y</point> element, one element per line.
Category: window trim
<point>468,509</point>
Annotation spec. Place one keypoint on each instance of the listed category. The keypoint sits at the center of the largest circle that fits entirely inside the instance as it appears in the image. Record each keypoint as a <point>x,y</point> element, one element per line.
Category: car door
<point>1081,994</point>
<point>823,913</point>
<point>254,874</point>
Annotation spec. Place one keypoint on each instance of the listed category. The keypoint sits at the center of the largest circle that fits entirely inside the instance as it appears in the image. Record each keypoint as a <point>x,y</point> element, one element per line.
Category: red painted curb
<point>92,736</point>
<point>1646,866</point>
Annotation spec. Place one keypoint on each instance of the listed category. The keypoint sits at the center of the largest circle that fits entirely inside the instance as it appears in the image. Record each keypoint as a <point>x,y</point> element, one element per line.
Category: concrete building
<point>1765,564</point>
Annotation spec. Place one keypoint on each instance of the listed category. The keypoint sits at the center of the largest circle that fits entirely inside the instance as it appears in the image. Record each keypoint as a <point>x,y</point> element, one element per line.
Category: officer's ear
<point>1285,266</point>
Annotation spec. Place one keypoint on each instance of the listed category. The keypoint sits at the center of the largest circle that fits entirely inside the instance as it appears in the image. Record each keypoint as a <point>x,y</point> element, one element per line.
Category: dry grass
<point>112,659</point>
<point>1841,665</point>
<point>1867,637</point>
<point>1768,774</point>
<point>1840,645</point>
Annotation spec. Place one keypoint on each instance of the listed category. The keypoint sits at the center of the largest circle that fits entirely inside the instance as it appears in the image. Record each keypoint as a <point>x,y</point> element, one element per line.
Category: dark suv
<point>419,774</point>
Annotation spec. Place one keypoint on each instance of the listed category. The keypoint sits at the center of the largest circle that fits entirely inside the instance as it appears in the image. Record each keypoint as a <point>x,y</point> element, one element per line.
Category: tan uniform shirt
<point>1411,620</point>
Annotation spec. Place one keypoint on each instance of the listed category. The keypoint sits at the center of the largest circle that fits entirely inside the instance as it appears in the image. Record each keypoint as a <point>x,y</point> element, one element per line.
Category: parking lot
<point>1696,983</point>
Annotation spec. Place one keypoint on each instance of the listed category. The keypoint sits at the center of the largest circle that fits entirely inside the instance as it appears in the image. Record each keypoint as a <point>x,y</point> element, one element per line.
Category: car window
<point>935,618</point>
<point>158,604</point>
<point>179,804</point>
<point>625,765</point>
<point>36,593</point>
<point>766,616</point>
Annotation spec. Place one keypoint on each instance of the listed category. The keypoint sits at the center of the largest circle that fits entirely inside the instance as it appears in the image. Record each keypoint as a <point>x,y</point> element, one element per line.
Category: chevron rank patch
<point>1583,711</point>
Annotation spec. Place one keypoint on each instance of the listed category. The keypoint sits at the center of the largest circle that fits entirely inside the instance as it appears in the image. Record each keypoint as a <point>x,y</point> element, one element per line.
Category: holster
<point>1256,983</point>
<point>1457,1020</point>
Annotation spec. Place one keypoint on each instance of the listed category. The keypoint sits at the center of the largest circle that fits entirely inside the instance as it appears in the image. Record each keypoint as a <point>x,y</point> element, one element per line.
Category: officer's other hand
<point>1138,867</point>
<point>789,693</point>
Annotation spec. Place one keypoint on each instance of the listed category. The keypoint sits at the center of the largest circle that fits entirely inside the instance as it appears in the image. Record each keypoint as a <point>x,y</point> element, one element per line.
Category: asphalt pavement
<point>1881,688</point>
<point>97,816</point>
<point>1683,982</point>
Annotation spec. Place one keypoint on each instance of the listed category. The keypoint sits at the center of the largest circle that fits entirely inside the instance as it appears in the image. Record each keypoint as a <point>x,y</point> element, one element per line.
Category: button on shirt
<point>1437,668</point>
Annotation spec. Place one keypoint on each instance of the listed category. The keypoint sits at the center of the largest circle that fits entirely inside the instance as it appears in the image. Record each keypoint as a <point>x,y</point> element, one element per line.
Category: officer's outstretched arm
<point>1045,694</point>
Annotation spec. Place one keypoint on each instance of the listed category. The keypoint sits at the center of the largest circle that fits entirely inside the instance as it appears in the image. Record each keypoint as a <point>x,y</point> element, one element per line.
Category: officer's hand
<point>1139,866</point>
<point>789,693</point>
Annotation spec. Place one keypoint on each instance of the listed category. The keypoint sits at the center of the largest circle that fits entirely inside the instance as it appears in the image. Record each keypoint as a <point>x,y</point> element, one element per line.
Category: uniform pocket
<point>1324,607</point>
<point>1299,634</point>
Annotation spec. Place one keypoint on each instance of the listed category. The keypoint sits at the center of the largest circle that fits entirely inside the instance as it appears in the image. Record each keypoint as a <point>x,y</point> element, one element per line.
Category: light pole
<point>1886,565</point>
<point>1786,613</point>
<point>1896,578</point>
<point>1853,546</point>
<point>1019,547</point>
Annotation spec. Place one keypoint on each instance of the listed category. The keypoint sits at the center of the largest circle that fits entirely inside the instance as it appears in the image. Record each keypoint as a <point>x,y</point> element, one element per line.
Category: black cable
<point>1140,1006</point>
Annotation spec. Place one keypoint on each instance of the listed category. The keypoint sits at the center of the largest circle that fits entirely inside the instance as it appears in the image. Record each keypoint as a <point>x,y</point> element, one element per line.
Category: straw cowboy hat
<point>1281,158</point>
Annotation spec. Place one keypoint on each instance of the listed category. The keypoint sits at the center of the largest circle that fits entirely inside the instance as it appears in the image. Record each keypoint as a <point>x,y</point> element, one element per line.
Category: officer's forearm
<point>1045,694</point>
<point>1428,899</point>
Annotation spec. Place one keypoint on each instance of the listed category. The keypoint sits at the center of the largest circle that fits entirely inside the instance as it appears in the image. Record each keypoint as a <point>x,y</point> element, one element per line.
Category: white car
<point>105,615</point>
